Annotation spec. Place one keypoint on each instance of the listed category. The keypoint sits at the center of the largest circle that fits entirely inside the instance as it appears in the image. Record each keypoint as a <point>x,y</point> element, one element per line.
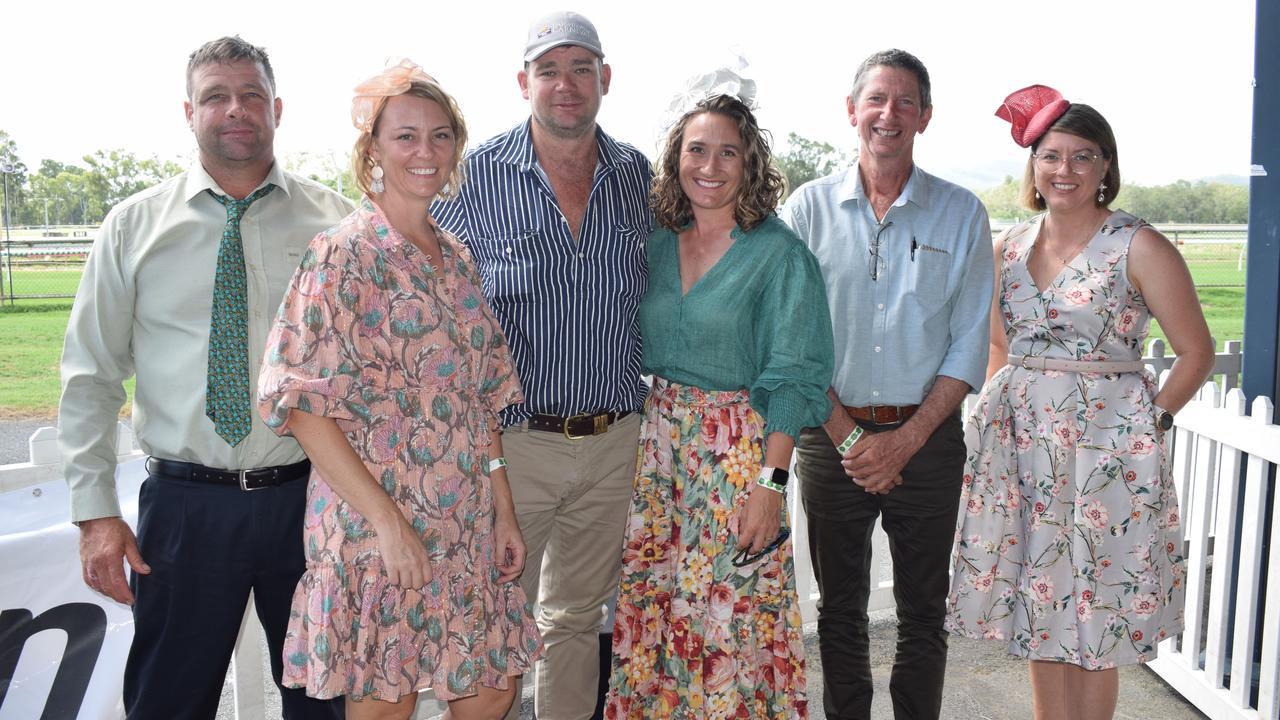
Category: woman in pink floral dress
<point>1069,543</point>
<point>387,365</point>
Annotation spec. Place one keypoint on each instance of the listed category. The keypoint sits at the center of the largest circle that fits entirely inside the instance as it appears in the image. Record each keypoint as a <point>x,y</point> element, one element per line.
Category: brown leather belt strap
<point>576,426</point>
<point>882,414</point>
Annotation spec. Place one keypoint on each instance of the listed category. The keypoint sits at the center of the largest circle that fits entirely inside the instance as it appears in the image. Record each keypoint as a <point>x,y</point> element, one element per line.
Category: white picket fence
<point>1226,662</point>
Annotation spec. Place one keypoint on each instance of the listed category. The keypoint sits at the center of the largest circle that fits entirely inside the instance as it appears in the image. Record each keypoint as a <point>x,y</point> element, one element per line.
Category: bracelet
<point>496,463</point>
<point>843,447</point>
<point>771,485</point>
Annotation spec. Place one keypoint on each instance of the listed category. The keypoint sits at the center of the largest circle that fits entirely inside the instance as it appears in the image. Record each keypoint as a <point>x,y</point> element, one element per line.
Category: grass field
<point>31,331</point>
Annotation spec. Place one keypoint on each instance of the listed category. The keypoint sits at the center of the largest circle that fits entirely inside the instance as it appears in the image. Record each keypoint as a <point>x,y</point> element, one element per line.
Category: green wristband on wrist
<point>843,447</point>
<point>771,485</point>
<point>498,462</point>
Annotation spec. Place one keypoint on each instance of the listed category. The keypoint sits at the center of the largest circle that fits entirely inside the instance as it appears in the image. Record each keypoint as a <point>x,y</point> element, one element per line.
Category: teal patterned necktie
<point>227,391</point>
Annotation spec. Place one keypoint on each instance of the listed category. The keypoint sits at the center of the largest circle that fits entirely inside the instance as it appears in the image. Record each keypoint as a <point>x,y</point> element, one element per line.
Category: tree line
<point>67,194</point>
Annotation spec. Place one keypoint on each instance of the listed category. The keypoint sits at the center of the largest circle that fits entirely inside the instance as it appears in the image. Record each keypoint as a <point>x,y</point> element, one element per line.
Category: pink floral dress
<point>406,356</point>
<point>1069,546</point>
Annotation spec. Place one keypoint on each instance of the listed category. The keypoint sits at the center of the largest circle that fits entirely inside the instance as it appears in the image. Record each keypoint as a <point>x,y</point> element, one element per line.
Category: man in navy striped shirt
<point>556,214</point>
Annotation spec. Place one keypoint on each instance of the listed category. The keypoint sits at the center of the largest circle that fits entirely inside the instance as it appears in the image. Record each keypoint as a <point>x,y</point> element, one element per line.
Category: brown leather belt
<point>882,414</point>
<point>255,479</point>
<point>576,426</point>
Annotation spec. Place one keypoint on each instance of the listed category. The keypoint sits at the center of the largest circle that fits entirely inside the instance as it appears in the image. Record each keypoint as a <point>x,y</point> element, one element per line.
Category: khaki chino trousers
<point>571,498</point>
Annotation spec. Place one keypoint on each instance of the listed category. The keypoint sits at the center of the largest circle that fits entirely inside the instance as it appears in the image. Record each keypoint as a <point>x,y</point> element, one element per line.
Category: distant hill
<point>1240,180</point>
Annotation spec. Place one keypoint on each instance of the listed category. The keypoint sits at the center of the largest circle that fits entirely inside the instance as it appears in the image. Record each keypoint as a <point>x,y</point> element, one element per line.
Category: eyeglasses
<point>743,559</point>
<point>876,261</point>
<point>1080,163</point>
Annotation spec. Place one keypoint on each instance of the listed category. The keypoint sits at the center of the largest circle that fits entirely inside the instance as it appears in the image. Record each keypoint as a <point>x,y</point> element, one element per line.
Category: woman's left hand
<point>508,548</point>
<point>759,519</point>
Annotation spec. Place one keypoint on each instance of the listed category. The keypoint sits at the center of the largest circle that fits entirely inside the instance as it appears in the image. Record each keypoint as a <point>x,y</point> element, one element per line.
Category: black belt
<point>576,426</point>
<point>254,479</point>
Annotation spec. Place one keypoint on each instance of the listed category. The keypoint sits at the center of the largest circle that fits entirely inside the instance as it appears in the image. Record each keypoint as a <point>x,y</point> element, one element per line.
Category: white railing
<point>1225,467</point>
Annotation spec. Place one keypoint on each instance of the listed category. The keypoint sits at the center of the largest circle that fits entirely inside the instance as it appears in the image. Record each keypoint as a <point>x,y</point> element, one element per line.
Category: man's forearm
<point>943,399</point>
<point>838,424</point>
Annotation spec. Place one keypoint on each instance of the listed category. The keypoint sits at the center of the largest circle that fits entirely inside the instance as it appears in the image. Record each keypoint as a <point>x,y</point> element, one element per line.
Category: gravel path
<point>14,434</point>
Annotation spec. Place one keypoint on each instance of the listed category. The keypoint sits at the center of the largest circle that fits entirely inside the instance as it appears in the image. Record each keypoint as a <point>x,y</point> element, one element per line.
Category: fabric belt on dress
<point>1085,366</point>
<point>255,479</point>
<point>882,414</point>
<point>576,426</point>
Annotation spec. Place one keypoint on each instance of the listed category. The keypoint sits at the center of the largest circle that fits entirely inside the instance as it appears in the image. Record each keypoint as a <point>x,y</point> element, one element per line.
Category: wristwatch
<point>774,479</point>
<point>1164,419</point>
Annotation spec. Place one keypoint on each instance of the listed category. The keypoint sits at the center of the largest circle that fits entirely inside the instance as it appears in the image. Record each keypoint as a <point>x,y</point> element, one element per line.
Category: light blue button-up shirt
<point>926,312</point>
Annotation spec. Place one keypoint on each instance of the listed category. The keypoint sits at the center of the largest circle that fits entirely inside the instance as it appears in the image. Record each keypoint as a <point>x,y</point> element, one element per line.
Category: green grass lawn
<point>31,333</point>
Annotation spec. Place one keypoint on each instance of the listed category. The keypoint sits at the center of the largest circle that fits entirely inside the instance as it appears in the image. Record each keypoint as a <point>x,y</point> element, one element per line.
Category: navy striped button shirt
<point>568,308</point>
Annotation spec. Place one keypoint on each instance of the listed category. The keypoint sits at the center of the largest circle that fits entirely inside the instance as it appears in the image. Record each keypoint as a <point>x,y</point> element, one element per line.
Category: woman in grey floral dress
<point>1069,542</point>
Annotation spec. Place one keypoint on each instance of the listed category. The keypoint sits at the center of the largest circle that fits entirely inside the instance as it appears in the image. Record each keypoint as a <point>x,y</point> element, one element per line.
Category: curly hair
<point>362,164</point>
<point>1084,122</point>
<point>762,184</point>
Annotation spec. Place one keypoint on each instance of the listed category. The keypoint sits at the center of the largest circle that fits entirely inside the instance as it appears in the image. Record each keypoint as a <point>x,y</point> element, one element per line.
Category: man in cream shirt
<point>179,291</point>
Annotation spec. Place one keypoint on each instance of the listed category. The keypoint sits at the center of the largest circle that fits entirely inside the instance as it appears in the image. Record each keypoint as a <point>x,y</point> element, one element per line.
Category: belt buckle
<point>570,419</point>
<point>875,414</point>
<point>244,481</point>
<point>1025,366</point>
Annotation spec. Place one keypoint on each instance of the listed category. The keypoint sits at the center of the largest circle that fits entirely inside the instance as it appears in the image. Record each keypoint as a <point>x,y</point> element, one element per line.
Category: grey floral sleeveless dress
<point>1069,545</point>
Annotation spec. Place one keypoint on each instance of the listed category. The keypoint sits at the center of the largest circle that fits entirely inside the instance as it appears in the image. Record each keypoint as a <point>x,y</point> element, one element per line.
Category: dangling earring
<point>1037,194</point>
<point>376,185</point>
<point>1101,187</point>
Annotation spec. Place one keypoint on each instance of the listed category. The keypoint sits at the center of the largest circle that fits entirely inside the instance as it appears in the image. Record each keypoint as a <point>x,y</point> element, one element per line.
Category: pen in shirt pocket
<point>913,249</point>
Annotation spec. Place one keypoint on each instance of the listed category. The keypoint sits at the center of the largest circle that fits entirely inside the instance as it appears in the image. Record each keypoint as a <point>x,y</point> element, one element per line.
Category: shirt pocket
<point>508,263</point>
<point>282,262</point>
<point>930,271</point>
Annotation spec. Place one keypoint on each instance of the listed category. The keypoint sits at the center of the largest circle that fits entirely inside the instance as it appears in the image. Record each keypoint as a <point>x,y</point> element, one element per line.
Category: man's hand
<point>876,461</point>
<point>105,544</point>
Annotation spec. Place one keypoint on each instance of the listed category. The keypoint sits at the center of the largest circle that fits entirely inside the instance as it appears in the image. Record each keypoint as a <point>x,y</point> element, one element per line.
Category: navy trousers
<point>919,517</point>
<point>208,546</point>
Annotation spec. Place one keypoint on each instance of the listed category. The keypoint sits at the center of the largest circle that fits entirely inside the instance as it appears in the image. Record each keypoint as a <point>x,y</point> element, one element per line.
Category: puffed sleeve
<point>322,355</point>
<point>793,336</point>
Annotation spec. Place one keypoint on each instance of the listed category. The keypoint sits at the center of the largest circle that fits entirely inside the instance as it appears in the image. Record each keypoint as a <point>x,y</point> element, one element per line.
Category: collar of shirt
<point>198,180</point>
<point>517,149</point>
<point>916,191</point>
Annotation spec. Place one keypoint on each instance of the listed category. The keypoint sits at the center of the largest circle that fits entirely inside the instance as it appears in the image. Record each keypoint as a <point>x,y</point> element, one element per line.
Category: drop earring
<point>1101,187</point>
<point>1037,194</point>
<point>376,185</point>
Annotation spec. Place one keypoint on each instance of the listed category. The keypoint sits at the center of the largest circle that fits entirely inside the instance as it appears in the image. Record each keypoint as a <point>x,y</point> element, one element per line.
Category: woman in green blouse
<point>738,340</point>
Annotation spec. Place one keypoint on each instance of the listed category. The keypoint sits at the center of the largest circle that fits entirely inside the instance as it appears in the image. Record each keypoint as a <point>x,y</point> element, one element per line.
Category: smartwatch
<point>1164,419</point>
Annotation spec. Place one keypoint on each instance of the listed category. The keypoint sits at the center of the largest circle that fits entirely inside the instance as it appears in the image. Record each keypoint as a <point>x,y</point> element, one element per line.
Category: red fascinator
<point>1032,110</point>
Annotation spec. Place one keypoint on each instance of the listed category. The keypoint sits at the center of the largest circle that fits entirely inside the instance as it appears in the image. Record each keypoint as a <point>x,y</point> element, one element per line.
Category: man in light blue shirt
<point>909,272</point>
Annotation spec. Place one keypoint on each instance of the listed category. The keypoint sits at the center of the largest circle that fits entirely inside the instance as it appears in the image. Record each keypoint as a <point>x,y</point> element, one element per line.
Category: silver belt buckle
<point>243,480</point>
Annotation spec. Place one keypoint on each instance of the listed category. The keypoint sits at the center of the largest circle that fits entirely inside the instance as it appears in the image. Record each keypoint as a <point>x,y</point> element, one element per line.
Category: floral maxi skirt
<point>694,636</point>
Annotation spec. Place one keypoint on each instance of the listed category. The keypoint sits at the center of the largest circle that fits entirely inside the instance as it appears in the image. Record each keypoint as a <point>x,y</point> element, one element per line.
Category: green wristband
<point>498,462</point>
<point>843,447</point>
<point>771,485</point>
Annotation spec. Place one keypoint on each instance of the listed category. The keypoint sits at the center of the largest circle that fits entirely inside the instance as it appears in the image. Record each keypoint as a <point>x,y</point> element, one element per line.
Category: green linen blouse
<point>758,319</point>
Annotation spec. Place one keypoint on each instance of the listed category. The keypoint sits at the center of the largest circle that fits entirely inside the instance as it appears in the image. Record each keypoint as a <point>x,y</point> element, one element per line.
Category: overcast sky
<point>1173,77</point>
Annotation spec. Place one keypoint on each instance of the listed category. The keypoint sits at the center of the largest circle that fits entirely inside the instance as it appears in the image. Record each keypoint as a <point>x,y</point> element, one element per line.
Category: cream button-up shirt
<point>143,309</point>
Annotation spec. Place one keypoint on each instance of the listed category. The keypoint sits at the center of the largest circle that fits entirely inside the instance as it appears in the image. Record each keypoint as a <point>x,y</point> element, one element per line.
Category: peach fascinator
<point>1031,111</point>
<point>371,94</point>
